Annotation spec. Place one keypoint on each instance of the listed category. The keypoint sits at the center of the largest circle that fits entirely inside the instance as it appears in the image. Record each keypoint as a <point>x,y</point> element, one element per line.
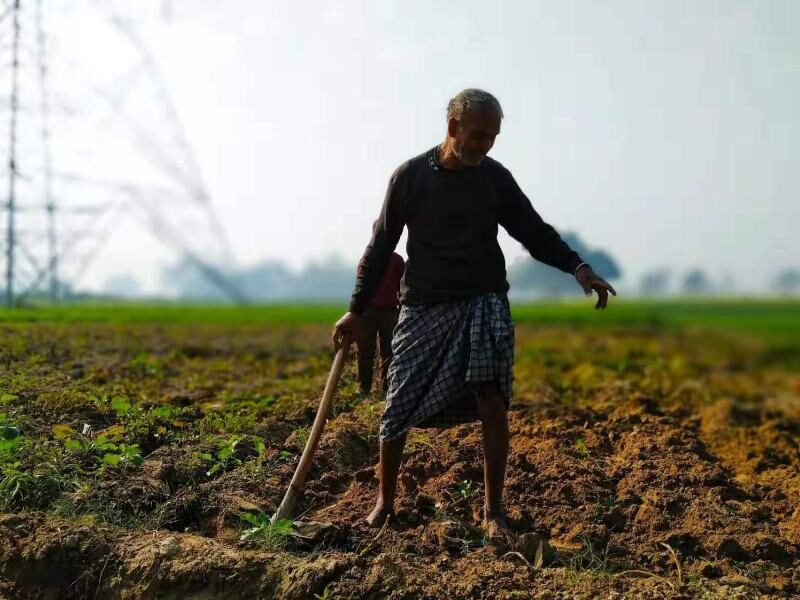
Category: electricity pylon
<point>65,199</point>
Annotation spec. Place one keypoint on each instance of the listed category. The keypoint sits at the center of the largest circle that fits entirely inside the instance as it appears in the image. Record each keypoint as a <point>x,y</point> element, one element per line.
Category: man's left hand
<point>589,280</point>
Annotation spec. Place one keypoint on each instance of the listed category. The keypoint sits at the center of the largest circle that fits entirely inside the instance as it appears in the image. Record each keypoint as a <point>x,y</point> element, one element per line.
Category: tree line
<point>333,278</point>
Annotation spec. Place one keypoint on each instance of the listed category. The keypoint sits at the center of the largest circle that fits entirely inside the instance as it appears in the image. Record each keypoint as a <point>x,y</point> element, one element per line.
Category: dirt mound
<point>61,560</point>
<point>53,558</point>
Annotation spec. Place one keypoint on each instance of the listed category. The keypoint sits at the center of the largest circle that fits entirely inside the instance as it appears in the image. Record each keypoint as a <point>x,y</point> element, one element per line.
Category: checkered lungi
<point>439,351</point>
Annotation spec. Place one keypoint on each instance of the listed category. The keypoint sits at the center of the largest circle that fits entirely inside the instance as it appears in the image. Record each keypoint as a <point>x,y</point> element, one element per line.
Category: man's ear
<point>452,127</point>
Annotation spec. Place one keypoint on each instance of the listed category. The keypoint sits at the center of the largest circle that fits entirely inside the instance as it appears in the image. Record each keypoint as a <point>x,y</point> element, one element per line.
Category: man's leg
<point>366,353</point>
<point>391,457</point>
<point>494,421</point>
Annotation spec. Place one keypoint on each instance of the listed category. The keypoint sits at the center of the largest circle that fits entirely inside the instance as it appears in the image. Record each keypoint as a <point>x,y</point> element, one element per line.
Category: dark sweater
<point>452,218</point>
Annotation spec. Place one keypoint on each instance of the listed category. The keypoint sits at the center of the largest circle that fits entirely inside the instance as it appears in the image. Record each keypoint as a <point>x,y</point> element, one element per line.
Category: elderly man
<point>454,342</point>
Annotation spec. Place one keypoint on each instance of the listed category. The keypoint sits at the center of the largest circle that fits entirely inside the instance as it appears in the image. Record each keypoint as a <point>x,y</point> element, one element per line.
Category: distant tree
<point>787,282</point>
<point>531,276</point>
<point>697,282</point>
<point>655,282</point>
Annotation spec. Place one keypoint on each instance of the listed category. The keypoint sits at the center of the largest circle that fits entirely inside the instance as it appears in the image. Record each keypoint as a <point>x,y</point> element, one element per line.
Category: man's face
<point>473,136</point>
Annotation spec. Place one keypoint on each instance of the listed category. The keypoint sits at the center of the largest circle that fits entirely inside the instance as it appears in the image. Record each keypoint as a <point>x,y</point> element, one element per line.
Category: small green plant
<point>10,438</point>
<point>371,436</point>
<point>603,504</point>
<point>108,445</point>
<point>265,532</point>
<point>135,418</point>
<point>591,557</point>
<point>260,447</point>
<point>300,438</point>
<point>580,448</point>
<point>461,534</point>
<point>754,571</point>
<point>463,490</point>
<point>266,404</point>
<point>131,414</point>
<point>693,579</point>
<point>417,440</point>
<point>31,487</point>
<point>228,422</point>
<point>147,365</point>
<point>162,412</point>
<point>592,560</point>
<point>225,455</point>
<point>123,454</point>
<point>14,483</point>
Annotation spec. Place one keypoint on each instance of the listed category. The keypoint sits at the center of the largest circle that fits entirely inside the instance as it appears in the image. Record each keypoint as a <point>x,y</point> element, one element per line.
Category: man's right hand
<point>350,324</point>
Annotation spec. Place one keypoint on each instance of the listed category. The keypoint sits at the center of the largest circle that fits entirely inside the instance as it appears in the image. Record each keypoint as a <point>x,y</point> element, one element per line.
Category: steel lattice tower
<point>61,209</point>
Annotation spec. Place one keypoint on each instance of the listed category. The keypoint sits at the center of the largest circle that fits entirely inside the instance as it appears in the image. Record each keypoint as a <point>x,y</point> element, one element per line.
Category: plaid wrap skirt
<point>439,352</point>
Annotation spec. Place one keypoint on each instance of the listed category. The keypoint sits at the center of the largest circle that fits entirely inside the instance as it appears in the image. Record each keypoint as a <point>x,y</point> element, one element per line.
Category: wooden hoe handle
<point>303,467</point>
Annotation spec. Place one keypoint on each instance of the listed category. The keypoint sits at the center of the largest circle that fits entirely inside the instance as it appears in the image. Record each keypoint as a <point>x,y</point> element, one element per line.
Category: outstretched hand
<point>589,280</point>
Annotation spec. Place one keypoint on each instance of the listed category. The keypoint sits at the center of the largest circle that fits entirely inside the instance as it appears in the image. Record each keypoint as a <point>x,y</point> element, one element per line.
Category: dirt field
<point>143,461</point>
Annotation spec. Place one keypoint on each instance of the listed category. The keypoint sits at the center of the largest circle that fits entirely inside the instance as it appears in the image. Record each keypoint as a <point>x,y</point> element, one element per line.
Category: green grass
<point>779,319</point>
<point>290,314</point>
<point>772,318</point>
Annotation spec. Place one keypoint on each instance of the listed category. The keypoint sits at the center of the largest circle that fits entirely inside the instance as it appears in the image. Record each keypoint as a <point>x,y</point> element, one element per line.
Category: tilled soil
<point>650,465</point>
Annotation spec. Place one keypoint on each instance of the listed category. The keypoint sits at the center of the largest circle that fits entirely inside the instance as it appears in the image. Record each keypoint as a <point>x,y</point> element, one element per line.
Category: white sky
<point>665,132</point>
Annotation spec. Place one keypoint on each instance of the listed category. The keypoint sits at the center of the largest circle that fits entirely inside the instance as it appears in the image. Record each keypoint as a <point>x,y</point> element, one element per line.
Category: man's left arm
<point>525,225</point>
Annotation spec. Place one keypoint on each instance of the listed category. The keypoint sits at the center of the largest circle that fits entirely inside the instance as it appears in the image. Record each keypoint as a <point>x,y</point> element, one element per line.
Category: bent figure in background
<point>379,320</point>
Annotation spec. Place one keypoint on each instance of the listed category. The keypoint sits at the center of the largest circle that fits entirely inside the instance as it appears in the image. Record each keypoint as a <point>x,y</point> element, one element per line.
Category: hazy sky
<point>665,132</point>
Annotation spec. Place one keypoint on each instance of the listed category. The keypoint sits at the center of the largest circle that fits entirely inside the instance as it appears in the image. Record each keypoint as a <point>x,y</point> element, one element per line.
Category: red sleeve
<point>398,267</point>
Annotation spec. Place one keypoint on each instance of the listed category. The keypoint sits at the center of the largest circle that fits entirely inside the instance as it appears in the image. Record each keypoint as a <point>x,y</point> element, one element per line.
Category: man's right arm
<point>386,232</point>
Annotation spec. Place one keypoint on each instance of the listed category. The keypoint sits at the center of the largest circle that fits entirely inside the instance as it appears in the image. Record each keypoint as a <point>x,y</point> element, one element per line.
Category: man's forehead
<point>484,120</point>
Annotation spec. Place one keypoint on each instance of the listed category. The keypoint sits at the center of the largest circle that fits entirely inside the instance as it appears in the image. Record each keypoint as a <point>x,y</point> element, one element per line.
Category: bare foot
<point>377,518</point>
<point>497,528</point>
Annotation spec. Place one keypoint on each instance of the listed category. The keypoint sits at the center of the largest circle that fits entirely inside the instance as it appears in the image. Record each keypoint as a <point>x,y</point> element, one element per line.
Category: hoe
<point>299,478</point>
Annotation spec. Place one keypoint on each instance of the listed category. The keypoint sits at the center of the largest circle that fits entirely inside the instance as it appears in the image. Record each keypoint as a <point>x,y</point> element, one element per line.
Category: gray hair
<point>470,100</point>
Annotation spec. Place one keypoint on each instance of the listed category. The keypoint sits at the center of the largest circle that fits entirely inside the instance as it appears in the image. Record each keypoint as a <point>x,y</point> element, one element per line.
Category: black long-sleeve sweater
<point>452,218</point>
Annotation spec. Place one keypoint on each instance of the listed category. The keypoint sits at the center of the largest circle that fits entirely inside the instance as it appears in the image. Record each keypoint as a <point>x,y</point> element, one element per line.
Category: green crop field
<point>774,318</point>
